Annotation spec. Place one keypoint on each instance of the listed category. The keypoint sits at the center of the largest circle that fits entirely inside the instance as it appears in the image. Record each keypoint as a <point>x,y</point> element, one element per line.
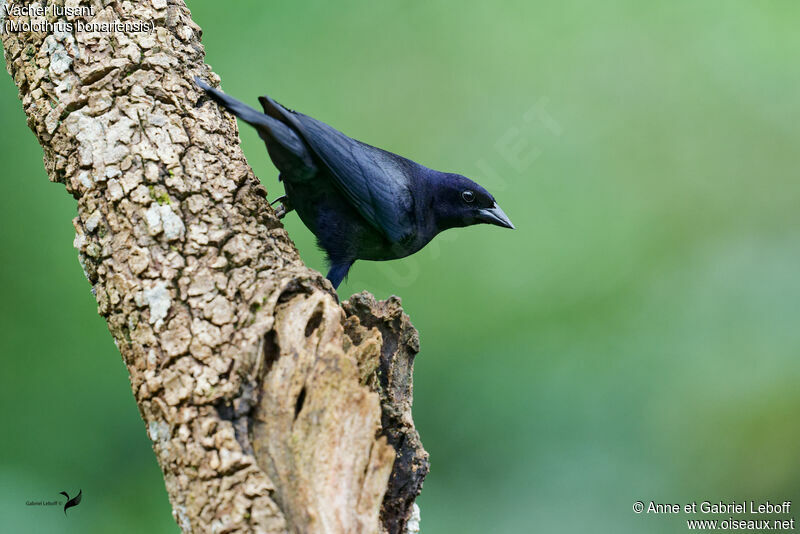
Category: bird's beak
<point>495,215</point>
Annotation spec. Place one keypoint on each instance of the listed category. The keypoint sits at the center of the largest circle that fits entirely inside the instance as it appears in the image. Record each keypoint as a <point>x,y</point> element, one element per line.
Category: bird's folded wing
<point>376,182</point>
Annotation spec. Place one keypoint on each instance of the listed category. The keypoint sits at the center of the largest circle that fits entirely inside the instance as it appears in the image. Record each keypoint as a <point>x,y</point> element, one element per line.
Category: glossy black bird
<point>360,202</point>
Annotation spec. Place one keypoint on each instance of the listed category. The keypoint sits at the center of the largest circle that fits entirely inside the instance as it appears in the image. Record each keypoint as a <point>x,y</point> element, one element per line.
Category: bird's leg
<point>338,272</point>
<point>285,207</point>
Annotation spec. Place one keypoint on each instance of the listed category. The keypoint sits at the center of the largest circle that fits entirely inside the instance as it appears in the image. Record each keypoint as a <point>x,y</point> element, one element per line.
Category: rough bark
<point>270,407</point>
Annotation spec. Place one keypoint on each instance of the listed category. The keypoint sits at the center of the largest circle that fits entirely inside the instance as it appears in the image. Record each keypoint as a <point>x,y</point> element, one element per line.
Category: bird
<point>75,501</point>
<point>360,202</point>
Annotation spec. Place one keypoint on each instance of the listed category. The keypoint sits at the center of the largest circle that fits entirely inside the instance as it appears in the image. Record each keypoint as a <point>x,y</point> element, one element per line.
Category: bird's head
<point>458,201</point>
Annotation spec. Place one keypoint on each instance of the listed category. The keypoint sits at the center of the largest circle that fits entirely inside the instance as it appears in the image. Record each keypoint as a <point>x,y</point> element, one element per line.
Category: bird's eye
<point>468,196</point>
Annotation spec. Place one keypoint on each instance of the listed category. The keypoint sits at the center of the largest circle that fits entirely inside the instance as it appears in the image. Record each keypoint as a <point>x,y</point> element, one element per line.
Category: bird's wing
<point>376,182</point>
<point>77,499</point>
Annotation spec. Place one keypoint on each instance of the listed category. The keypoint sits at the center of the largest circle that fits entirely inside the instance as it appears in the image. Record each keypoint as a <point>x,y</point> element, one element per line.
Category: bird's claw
<point>284,208</point>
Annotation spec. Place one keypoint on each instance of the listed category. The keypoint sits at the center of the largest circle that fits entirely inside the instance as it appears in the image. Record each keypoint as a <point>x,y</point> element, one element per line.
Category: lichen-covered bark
<point>271,408</point>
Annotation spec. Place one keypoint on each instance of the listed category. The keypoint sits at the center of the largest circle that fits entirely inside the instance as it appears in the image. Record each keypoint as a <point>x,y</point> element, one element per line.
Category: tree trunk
<point>270,407</point>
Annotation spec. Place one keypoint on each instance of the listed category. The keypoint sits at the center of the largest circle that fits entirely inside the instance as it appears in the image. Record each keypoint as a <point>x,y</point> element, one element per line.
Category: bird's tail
<point>269,129</point>
<point>240,109</point>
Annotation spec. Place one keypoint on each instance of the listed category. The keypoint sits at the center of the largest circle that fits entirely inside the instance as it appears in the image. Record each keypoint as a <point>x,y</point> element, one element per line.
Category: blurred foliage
<point>635,338</point>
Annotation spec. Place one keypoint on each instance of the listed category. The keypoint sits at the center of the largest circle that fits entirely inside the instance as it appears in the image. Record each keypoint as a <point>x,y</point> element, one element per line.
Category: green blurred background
<point>636,337</point>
